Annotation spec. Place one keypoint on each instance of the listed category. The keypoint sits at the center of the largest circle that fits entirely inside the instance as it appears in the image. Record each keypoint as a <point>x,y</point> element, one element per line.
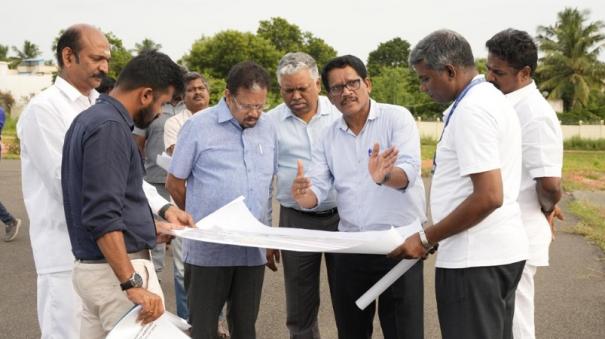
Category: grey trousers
<point>301,274</point>
<point>209,287</point>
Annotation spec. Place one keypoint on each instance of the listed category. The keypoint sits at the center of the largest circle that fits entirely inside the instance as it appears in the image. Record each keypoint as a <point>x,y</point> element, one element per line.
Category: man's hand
<point>301,189</point>
<point>410,249</point>
<point>151,304</point>
<point>164,231</point>
<point>381,164</point>
<point>175,215</point>
<point>550,217</point>
<point>272,258</point>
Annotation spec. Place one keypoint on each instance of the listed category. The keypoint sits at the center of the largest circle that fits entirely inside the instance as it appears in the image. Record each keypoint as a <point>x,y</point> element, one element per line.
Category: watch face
<point>137,281</point>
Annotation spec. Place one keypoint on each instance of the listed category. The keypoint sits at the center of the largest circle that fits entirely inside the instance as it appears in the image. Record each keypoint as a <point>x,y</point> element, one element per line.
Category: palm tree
<point>146,45</point>
<point>29,51</point>
<point>570,65</point>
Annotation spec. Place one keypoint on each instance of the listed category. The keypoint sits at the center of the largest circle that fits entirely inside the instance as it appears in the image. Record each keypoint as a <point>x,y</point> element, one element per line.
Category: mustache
<point>100,75</point>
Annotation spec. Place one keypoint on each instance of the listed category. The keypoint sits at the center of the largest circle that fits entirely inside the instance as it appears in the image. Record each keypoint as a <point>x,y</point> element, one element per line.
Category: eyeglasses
<point>249,107</point>
<point>352,85</point>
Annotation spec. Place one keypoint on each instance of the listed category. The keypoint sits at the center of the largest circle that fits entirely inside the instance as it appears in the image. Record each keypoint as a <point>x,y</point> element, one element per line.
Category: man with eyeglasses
<point>300,123</point>
<point>372,158</point>
<point>227,151</point>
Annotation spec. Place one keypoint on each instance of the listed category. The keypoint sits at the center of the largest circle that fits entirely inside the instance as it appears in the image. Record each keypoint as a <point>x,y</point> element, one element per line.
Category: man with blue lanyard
<point>477,221</point>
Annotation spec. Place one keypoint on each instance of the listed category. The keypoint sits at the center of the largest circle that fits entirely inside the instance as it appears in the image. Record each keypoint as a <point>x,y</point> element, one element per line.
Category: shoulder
<point>44,101</point>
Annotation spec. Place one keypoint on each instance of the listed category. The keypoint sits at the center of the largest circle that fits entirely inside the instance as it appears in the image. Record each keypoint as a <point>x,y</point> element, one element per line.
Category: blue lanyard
<point>456,102</point>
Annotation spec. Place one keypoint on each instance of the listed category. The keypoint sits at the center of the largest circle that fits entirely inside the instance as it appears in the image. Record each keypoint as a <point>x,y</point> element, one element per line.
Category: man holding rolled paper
<point>371,156</point>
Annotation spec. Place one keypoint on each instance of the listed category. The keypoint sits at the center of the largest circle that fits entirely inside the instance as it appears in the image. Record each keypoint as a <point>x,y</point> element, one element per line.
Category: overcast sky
<point>351,27</point>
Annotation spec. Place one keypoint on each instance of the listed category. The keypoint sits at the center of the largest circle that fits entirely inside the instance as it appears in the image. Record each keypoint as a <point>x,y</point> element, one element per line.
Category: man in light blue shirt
<point>375,191</point>
<point>221,153</point>
<point>301,122</point>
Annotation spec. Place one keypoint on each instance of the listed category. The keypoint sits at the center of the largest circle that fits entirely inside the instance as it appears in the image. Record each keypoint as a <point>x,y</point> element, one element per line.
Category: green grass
<point>583,170</point>
<point>592,221</point>
<point>10,126</point>
<point>576,143</point>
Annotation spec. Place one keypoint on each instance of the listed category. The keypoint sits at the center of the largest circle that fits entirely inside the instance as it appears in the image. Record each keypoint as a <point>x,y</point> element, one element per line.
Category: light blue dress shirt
<point>297,140</point>
<point>220,162</point>
<point>342,160</point>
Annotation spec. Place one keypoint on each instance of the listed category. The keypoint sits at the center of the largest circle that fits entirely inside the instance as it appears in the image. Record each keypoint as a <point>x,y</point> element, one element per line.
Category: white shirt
<point>482,135</point>
<point>542,144</point>
<point>341,161</point>
<point>41,129</point>
<point>297,139</point>
<point>173,126</point>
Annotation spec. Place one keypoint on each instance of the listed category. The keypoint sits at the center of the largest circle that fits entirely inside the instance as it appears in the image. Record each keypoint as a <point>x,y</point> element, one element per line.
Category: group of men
<point>343,162</point>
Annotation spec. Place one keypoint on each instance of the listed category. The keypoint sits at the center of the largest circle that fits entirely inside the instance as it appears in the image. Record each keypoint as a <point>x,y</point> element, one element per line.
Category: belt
<point>325,213</point>
<point>142,254</point>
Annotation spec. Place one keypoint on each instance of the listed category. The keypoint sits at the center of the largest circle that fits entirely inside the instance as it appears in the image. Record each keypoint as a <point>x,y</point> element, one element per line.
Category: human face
<point>146,114</point>
<point>438,84</point>
<point>506,78</point>
<point>350,101</point>
<point>86,69</point>
<point>300,92</point>
<point>196,95</point>
<point>247,105</point>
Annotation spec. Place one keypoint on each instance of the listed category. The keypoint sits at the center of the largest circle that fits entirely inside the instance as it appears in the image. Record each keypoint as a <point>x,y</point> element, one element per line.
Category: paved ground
<point>570,296</point>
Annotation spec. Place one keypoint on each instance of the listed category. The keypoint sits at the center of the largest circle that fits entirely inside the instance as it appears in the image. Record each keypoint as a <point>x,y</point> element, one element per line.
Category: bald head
<point>83,54</point>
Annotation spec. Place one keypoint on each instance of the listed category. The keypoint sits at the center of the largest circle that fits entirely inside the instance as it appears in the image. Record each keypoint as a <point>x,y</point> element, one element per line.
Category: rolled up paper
<point>385,282</point>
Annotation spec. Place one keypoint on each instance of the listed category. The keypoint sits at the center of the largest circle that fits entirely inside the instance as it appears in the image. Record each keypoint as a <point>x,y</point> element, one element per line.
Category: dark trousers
<point>5,216</point>
<point>302,273</point>
<point>208,288</point>
<point>477,302</point>
<point>400,307</point>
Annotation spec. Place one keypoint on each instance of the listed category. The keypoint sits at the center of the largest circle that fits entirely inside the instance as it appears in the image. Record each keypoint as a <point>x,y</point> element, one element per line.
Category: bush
<point>577,143</point>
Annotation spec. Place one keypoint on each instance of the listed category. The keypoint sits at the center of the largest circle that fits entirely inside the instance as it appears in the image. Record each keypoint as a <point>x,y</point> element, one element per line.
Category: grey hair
<point>441,48</point>
<point>295,62</point>
<point>190,76</point>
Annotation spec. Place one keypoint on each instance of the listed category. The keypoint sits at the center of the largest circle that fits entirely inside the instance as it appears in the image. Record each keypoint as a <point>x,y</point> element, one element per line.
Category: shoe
<point>223,329</point>
<point>12,230</point>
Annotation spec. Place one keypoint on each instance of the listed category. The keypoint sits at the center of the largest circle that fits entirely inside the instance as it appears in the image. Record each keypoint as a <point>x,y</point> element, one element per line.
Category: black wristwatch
<point>135,281</point>
<point>162,211</point>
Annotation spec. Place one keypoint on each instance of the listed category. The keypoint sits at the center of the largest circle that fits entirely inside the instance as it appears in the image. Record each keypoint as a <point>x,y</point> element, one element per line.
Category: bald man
<point>83,55</point>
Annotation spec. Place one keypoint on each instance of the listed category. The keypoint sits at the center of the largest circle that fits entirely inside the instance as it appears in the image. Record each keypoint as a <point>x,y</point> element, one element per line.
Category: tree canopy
<point>146,45</point>
<point>392,53</point>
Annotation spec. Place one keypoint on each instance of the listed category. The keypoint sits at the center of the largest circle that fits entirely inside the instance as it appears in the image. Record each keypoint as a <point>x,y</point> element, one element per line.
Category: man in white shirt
<point>511,63</point>
<point>83,55</point>
<point>300,123</point>
<point>477,220</point>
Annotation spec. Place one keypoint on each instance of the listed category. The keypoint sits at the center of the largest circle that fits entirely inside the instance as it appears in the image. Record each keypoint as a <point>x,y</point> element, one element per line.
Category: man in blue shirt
<point>300,123</point>
<point>12,224</point>
<point>109,221</point>
<point>221,153</point>
<point>375,191</point>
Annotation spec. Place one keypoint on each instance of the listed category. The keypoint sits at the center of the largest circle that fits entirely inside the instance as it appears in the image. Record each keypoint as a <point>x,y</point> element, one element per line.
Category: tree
<point>146,45</point>
<point>570,67</point>
<point>393,53</point>
<point>29,51</point>
<point>3,53</point>
<point>119,55</point>
<point>288,37</point>
<point>217,54</point>
<point>7,101</point>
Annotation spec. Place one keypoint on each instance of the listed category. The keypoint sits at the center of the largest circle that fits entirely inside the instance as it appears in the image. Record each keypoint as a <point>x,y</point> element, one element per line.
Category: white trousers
<point>104,302</point>
<point>523,320</point>
<point>59,307</point>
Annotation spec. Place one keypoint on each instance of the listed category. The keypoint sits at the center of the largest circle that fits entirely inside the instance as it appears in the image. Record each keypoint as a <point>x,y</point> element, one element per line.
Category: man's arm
<point>177,189</point>
<point>487,196</point>
<point>549,194</point>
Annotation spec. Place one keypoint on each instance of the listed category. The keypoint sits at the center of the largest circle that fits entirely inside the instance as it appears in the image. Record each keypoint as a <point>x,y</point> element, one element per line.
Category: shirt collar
<point>72,93</point>
<point>372,115</point>
<point>119,107</point>
<point>224,113</point>
<point>518,95</point>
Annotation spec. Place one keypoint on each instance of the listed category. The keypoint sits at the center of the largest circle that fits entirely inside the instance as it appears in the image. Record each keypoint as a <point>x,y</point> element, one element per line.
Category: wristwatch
<point>424,240</point>
<point>135,281</point>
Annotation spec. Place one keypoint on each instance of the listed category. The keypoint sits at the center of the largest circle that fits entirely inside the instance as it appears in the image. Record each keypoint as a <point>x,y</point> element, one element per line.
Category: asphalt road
<point>570,294</point>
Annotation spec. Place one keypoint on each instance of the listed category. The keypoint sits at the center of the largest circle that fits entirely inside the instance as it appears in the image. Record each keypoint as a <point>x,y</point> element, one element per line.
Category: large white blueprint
<point>234,224</point>
<point>166,326</point>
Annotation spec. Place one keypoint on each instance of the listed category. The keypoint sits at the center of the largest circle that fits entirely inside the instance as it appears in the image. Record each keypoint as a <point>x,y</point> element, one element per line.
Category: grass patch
<point>577,143</point>
<point>592,221</point>
<point>584,170</point>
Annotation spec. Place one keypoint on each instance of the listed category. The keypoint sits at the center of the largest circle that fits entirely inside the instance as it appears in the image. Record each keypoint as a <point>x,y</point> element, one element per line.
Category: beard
<point>144,117</point>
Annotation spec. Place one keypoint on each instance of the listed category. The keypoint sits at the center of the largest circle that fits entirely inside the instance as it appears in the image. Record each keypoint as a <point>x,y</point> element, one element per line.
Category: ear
<point>146,96</point>
<point>368,83</point>
<point>68,56</point>
<point>525,73</point>
<point>450,71</point>
<point>318,84</point>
